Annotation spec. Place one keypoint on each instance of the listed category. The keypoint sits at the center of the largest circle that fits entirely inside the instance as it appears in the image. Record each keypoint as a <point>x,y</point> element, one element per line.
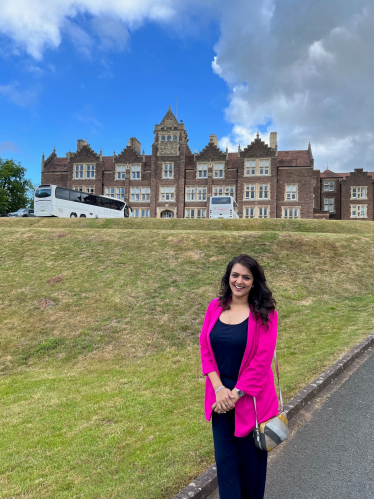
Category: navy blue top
<point>228,343</point>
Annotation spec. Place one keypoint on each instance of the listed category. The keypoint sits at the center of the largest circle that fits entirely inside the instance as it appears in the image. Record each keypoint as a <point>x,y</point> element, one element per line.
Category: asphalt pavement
<point>330,455</point>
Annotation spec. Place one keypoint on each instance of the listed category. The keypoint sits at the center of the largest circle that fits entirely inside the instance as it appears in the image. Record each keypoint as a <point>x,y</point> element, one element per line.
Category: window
<point>135,194</point>
<point>78,171</point>
<point>167,194</point>
<point>135,172</point>
<point>218,191</point>
<point>169,137</point>
<point>202,171</point>
<point>201,193</point>
<point>255,167</point>
<point>196,213</point>
<point>90,171</point>
<point>163,137</point>
<point>263,191</point>
<point>264,167</point>
<point>358,210</point>
<point>359,193</point>
<point>168,170</point>
<point>146,193</point>
<point>88,189</point>
<point>314,200</point>
<point>291,192</point>
<point>291,213</point>
<point>109,191</point>
<point>140,212</point>
<point>190,193</point>
<point>230,191</point>
<point>263,212</point>
<point>250,191</point>
<point>121,172</point>
<point>328,205</point>
<point>328,185</point>
<point>218,170</point>
<point>249,212</point>
<point>250,168</point>
<point>120,193</point>
<point>175,137</point>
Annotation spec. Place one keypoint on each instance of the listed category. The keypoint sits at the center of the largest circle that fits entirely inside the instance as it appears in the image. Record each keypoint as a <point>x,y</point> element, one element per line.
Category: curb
<point>206,483</point>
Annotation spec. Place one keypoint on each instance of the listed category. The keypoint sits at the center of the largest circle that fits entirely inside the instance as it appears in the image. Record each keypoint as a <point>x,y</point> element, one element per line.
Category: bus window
<point>116,204</point>
<point>223,200</point>
<point>75,196</point>
<point>105,202</point>
<point>43,192</point>
<point>62,193</point>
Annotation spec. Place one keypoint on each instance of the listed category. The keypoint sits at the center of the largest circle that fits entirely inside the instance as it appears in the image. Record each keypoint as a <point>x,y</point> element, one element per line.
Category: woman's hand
<point>224,401</point>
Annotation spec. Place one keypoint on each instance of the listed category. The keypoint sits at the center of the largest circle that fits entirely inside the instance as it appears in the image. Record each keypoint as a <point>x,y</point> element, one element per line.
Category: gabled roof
<point>84,152</point>
<point>257,148</point>
<point>330,174</point>
<point>211,152</point>
<point>294,158</point>
<point>169,119</point>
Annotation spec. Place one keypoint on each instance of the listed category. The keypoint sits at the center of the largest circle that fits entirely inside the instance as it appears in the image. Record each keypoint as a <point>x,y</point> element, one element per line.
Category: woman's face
<point>241,280</point>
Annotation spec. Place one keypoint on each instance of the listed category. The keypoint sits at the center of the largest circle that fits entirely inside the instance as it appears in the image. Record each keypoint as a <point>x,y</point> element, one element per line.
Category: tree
<point>14,187</point>
<point>4,201</point>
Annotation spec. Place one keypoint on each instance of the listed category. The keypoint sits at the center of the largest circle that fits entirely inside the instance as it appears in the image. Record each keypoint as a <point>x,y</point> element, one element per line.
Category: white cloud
<point>21,97</point>
<point>35,26</point>
<point>312,80</point>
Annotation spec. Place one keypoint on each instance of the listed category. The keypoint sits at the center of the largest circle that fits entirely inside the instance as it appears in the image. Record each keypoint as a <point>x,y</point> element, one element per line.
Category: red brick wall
<point>358,178</point>
<point>303,178</point>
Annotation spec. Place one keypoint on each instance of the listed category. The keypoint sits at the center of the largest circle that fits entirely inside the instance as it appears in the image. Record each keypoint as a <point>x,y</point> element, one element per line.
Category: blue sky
<point>108,98</point>
<point>107,70</point>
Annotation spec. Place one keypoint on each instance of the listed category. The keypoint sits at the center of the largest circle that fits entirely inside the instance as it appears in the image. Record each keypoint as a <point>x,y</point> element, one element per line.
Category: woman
<point>237,346</point>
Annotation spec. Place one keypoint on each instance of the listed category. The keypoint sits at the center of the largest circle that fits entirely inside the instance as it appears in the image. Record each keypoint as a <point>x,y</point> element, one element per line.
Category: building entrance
<point>167,214</point>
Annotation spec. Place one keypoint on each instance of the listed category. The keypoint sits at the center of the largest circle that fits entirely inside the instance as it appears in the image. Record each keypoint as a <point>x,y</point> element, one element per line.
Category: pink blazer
<point>255,379</point>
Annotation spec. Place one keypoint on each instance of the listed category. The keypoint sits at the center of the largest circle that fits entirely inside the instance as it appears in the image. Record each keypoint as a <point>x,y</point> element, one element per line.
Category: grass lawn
<point>101,389</point>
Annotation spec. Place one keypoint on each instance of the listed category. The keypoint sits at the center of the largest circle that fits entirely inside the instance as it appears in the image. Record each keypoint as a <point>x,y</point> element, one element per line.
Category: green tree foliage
<point>15,189</point>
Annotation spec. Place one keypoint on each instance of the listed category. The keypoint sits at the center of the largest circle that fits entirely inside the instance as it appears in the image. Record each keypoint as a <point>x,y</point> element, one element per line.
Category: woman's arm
<point>252,380</point>
<point>206,359</point>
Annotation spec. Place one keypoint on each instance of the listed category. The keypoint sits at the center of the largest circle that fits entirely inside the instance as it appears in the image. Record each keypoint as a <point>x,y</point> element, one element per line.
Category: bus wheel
<point>73,215</point>
<point>82,216</point>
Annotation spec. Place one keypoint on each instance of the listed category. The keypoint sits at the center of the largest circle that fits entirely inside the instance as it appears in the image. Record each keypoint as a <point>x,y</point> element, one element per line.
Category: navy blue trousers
<point>241,467</point>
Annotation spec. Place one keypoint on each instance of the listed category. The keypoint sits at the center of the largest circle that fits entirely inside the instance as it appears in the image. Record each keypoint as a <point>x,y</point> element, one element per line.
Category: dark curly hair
<point>260,298</point>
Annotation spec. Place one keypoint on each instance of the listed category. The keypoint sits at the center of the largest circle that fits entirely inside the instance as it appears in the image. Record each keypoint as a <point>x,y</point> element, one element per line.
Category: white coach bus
<point>54,201</point>
<point>223,207</point>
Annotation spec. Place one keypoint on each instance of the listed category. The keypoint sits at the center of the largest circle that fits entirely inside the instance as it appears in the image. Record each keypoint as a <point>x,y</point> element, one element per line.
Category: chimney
<point>80,144</point>
<point>135,144</point>
<point>213,139</point>
<point>43,162</point>
<point>273,140</point>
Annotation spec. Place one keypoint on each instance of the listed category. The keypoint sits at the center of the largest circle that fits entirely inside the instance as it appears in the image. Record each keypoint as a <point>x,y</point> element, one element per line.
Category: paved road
<point>332,455</point>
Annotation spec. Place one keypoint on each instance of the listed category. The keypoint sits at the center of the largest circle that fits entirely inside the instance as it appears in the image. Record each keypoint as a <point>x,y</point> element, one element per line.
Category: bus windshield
<point>43,192</point>
<point>222,200</point>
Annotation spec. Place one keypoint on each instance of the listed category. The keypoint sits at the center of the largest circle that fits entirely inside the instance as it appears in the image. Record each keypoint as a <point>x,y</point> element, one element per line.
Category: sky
<point>107,70</point>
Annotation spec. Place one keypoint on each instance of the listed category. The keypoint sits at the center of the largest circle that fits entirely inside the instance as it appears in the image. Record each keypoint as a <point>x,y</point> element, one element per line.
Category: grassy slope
<point>101,389</point>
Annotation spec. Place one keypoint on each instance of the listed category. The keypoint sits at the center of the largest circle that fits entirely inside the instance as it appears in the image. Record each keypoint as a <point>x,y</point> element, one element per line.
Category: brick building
<point>174,182</point>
